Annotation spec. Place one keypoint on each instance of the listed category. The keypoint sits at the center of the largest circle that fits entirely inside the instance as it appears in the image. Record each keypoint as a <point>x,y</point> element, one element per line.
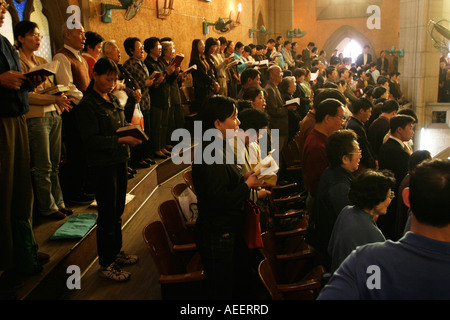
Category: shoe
<point>114,272</point>
<point>169,147</point>
<point>130,176</point>
<point>142,164</point>
<point>82,199</point>
<point>160,155</point>
<point>150,161</point>
<point>42,257</point>
<point>66,211</point>
<point>124,259</point>
<point>167,153</point>
<point>58,215</point>
<point>131,170</point>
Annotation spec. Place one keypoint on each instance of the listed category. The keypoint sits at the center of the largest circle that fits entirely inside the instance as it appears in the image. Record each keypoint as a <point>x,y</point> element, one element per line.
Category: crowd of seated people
<point>348,123</point>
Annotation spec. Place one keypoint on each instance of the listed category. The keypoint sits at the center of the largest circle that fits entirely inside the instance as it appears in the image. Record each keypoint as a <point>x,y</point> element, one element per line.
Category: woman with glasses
<point>44,127</point>
<point>370,194</point>
<point>343,154</point>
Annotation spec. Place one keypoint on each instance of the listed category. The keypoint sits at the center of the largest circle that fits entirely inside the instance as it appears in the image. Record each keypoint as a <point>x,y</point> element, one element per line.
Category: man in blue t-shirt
<point>415,267</point>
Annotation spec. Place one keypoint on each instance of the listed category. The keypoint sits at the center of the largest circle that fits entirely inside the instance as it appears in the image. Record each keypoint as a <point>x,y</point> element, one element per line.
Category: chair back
<point>187,176</point>
<point>157,242</point>
<point>170,215</point>
<point>268,279</point>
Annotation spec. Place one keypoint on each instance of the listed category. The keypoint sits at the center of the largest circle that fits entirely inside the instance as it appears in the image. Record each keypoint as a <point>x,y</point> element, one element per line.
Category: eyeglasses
<point>4,5</point>
<point>37,36</point>
<point>340,118</point>
<point>357,152</point>
<point>392,195</point>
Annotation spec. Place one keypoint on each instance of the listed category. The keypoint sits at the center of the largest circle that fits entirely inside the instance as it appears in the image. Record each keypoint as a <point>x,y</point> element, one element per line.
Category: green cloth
<point>76,226</point>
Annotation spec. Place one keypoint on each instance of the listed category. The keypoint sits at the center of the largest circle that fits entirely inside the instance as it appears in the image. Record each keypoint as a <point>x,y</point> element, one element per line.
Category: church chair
<point>187,176</point>
<point>177,190</point>
<point>307,288</point>
<point>290,257</point>
<point>180,236</point>
<point>177,280</point>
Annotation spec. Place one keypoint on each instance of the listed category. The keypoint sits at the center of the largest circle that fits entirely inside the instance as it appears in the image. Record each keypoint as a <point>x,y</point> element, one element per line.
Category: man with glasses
<point>73,72</point>
<point>343,155</point>
<point>18,249</point>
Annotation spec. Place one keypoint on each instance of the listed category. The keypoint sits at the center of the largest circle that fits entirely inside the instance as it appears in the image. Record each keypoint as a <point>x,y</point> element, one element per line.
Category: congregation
<point>350,122</point>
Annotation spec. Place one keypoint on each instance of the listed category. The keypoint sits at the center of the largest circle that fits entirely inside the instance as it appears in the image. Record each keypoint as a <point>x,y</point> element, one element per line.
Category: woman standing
<point>44,127</point>
<point>204,79</point>
<point>92,49</point>
<point>221,192</point>
<point>100,115</point>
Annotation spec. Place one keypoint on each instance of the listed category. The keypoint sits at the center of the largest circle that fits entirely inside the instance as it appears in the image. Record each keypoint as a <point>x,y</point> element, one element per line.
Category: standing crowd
<point>355,148</point>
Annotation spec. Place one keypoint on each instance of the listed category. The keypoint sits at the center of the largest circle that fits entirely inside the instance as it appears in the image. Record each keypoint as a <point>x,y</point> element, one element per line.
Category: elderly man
<point>73,72</point>
<point>277,112</point>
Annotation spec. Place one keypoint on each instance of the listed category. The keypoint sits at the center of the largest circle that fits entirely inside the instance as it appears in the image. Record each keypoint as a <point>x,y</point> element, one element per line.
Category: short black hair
<point>105,65</point>
<point>22,28</point>
<point>253,119</point>
<point>429,192</point>
<point>408,112</point>
<point>389,106</point>
<point>326,93</point>
<point>339,143</point>
<point>378,91</point>
<point>400,121</point>
<point>329,107</point>
<point>217,107</point>
<point>361,104</point>
<point>251,93</point>
<point>150,43</point>
<point>128,45</point>
<point>92,39</point>
<point>418,157</point>
<point>370,188</point>
<point>249,73</point>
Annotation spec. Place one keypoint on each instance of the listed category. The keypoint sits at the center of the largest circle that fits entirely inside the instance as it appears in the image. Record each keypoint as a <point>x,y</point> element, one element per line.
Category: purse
<point>252,226</point>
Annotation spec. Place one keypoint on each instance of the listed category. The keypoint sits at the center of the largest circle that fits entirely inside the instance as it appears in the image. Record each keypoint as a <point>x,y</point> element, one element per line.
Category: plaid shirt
<point>140,73</point>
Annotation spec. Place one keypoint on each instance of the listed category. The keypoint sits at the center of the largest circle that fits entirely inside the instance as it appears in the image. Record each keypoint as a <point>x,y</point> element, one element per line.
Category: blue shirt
<point>354,227</point>
<point>415,267</point>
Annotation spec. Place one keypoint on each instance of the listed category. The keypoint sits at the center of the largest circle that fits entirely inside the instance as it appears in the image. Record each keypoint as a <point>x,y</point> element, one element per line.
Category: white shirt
<point>64,73</point>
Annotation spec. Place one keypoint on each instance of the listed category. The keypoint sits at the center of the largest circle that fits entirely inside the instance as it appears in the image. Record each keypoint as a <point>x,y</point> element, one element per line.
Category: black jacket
<point>98,120</point>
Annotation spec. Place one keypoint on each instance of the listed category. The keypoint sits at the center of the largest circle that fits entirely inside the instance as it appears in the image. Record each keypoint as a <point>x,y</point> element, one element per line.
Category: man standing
<point>307,55</point>
<point>365,58</point>
<point>73,72</point>
<point>394,156</point>
<point>277,112</point>
<point>361,112</point>
<point>18,249</point>
<point>380,127</point>
<point>329,118</point>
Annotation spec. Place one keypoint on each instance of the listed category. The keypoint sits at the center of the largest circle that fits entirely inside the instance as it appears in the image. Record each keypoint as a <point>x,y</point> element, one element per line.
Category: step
<point>51,282</point>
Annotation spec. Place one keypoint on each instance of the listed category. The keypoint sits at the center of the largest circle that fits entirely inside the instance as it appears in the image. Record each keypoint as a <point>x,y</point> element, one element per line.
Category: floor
<point>143,284</point>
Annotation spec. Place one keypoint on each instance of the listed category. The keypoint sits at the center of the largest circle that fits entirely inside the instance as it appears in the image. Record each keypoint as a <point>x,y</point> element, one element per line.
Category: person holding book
<point>100,115</point>
<point>44,127</point>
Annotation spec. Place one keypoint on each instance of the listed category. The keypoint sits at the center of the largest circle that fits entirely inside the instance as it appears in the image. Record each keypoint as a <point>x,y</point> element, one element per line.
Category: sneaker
<point>114,272</point>
<point>126,259</point>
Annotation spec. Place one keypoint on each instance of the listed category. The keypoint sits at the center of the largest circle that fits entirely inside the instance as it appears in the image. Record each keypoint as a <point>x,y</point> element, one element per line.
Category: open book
<point>134,130</point>
<point>188,70</point>
<point>154,74</point>
<point>59,88</point>
<point>47,69</point>
<point>292,102</point>
<point>266,167</point>
<point>177,60</point>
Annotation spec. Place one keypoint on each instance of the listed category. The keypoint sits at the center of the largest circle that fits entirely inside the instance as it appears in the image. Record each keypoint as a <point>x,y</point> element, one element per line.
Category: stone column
<point>419,67</point>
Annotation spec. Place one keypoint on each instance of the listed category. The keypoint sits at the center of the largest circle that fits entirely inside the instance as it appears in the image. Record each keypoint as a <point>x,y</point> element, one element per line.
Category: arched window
<point>7,29</point>
<point>350,48</point>
<point>21,11</point>
<point>38,17</point>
